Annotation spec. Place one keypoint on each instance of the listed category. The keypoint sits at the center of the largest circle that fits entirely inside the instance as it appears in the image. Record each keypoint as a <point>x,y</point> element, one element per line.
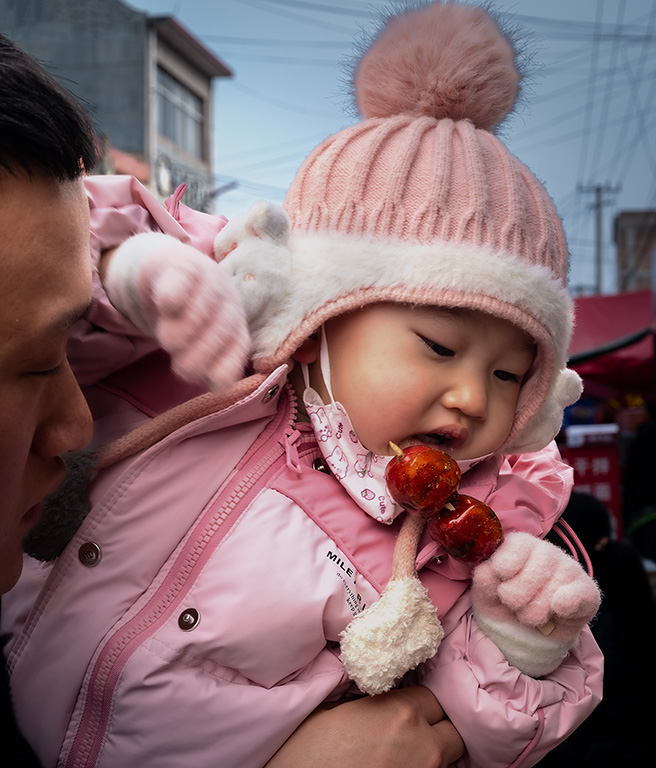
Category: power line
<point>278,42</point>
<point>273,59</point>
<point>279,102</point>
<point>261,5</point>
<point>322,7</point>
<point>272,162</point>
<point>313,139</point>
<point>635,97</point>
<point>609,83</point>
<point>589,106</point>
<point>265,189</point>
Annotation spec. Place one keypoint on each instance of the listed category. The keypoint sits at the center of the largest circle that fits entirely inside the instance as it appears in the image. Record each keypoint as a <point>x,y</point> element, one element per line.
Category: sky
<point>587,117</point>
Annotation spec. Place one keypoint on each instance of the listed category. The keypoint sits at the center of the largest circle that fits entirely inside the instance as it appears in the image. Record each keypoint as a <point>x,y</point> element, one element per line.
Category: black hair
<point>43,128</point>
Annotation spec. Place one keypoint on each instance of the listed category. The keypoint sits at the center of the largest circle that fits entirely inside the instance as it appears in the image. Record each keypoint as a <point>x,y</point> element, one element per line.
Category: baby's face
<point>449,378</point>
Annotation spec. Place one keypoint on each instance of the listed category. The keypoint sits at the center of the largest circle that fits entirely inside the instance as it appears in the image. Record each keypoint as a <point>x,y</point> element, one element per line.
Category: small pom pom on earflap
<point>443,60</point>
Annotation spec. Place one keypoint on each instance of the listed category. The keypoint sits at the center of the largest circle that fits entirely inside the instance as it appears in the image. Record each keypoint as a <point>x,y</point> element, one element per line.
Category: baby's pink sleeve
<point>508,719</point>
<point>105,341</point>
<point>119,207</point>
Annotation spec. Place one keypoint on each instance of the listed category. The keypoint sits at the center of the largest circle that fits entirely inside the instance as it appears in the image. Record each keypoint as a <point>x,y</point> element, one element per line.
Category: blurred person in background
<point>620,730</point>
<point>639,486</point>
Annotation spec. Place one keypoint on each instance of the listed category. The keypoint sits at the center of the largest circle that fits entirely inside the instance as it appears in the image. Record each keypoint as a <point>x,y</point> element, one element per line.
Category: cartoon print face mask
<point>361,472</point>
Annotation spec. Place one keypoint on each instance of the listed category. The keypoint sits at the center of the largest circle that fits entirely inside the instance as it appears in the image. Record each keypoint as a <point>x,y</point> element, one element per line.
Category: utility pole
<point>599,191</point>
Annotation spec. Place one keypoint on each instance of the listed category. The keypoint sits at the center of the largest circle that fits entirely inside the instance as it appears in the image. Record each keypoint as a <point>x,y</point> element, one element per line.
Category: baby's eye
<point>506,376</point>
<point>437,348</point>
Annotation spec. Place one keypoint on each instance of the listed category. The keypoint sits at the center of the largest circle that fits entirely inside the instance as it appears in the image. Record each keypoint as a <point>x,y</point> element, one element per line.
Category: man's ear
<point>308,352</point>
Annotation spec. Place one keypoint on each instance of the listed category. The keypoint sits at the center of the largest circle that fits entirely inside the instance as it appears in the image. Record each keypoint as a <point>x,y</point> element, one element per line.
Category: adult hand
<point>404,728</point>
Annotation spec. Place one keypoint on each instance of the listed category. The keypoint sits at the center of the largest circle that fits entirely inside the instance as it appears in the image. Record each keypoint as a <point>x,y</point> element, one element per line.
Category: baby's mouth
<point>447,438</point>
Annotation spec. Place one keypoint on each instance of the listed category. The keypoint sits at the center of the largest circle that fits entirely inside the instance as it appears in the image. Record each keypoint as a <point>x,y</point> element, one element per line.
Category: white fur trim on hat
<point>332,267</point>
<point>291,284</point>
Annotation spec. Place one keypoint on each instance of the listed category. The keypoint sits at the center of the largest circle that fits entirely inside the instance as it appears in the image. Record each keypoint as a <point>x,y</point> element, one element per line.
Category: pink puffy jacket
<point>194,617</point>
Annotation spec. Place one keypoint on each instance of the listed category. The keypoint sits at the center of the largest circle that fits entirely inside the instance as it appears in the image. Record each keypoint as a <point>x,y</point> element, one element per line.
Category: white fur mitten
<point>533,601</point>
<point>187,302</point>
<point>398,632</point>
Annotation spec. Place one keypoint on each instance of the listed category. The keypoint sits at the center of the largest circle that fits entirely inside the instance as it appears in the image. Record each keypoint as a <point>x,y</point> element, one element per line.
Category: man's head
<point>43,129</point>
<point>46,141</point>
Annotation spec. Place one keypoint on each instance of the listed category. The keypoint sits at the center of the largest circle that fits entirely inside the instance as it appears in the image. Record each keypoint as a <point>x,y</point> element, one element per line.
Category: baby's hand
<point>533,600</point>
<point>187,302</point>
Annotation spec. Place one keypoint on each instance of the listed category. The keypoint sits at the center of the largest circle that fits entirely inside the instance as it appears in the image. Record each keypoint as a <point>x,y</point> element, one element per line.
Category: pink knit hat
<point>419,203</point>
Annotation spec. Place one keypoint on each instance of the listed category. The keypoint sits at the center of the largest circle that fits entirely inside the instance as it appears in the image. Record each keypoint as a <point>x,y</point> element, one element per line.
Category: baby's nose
<point>468,395</point>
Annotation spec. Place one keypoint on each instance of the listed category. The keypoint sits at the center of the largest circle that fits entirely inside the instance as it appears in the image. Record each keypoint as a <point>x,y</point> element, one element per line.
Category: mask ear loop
<point>324,363</point>
<point>305,368</point>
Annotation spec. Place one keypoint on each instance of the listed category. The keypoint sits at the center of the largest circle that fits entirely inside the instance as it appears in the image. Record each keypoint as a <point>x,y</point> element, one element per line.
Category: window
<point>180,114</point>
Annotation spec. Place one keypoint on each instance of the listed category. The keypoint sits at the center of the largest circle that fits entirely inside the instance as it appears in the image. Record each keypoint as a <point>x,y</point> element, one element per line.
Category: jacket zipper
<point>117,650</point>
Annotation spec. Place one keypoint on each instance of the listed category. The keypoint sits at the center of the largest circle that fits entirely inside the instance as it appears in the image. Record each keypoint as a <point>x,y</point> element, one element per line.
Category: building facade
<point>145,80</point>
<point>635,238</point>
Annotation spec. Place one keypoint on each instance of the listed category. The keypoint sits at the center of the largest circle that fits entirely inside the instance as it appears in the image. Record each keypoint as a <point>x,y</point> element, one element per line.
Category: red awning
<point>613,349</point>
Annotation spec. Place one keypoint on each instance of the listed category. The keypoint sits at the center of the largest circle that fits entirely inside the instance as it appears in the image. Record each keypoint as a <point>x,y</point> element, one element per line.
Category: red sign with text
<point>597,472</point>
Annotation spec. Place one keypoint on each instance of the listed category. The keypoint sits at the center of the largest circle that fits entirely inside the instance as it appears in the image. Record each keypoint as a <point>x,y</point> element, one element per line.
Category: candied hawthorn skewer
<point>467,529</point>
<point>421,479</point>
<point>424,481</point>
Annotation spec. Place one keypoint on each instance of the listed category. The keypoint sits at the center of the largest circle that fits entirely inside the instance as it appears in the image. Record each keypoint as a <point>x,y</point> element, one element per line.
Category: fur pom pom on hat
<point>418,203</point>
<point>450,62</point>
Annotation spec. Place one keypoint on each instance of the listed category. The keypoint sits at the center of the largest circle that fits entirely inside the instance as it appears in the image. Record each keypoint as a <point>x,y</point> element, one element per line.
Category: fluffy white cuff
<point>392,636</point>
<point>528,649</point>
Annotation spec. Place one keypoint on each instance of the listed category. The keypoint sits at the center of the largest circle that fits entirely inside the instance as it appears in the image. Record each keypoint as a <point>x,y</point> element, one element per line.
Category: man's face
<point>45,285</point>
